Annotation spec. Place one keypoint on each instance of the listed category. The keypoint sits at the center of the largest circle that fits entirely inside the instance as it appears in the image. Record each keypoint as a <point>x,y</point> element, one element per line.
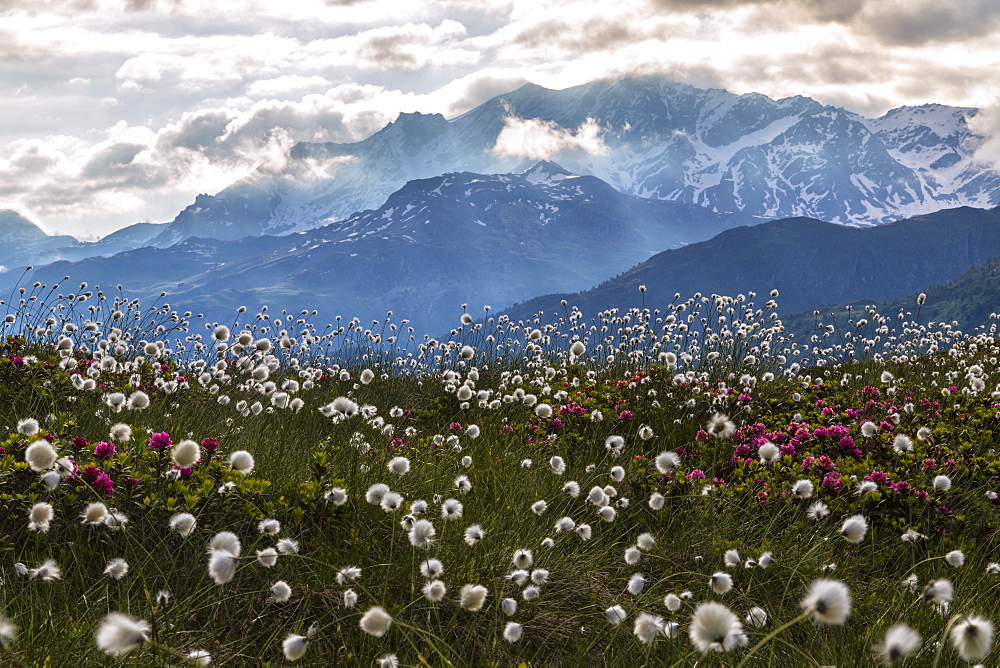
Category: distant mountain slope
<point>810,262</point>
<point>969,300</point>
<point>433,245</point>
<point>728,153</point>
<point>22,242</point>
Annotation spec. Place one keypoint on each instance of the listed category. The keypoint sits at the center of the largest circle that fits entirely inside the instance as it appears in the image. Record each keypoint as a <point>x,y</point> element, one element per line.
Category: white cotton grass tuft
<point>473,534</point>
<point>391,502</point>
<point>8,631</point>
<point>802,489</point>
<point>269,527</point>
<point>854,529</point>
<point>182,523</point>
<point>451,509</point>
<point>222,566</point>
<point>337,496</point>
<point>720,426</point>
<point>768,452</point>
<point>647,627</point>
<point>376,621</point>
<point>27,427</point>
<point>672,602</point>
<point>280,591</point>
<point>868,429</point>
<point>900,640</point>
<point>119,634</point>
<point>472,597</point>
<point>349,598</point>
<point>731,558</point>
<point>666,462</point>
<point>348,574</point>
<point>267,557</point>
<point>645,541</point>
<point>938,591</point>
<point>512,632</point>
<point>288,546</point>
<point>186,453</point>
<point>47,572</point>
<point>116,568</point>
<point>827,602</point>
<point>95,512</point>
<point>399,465</point>
<point>121,432</point>
<point>557,465</point>
<point>714,627</point>
<point>41,456</point>
<point>523,559</point>
<point>615,615</point>
<point>632,556</point>
<point>432,568</point>
<point>636,583</point>
<point>657,501</point>
<point>757,617</point>
<point>241,461</point>
<point>375,493</point>
<point>226,541</point>
<point>435,591</point>
<point>973,638</point>
<point>721,583</point>
<point>817,510</point>
<point>421,534</point>
<point>40,516</point>
<point>294,646</point>
<point>224,551</point>
<point>942,483</point>
<point>902,444</point>
<point>955,558</point>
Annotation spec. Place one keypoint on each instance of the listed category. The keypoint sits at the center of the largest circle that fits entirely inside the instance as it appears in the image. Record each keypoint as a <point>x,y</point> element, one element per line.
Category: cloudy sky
<point>117,111</point>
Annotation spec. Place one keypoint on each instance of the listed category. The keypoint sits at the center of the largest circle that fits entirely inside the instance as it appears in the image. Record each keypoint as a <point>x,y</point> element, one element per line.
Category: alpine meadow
<point>500,333</point>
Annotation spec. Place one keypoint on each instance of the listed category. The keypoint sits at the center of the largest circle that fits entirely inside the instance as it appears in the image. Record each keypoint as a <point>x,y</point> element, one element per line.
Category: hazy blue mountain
<point>434,244</point>
<point>810,262</point>
<point>23,242</point>
<point>728,153</point>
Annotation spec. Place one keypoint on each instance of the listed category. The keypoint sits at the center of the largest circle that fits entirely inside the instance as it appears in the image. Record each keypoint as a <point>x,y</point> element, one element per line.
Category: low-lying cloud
<point>538,139</point>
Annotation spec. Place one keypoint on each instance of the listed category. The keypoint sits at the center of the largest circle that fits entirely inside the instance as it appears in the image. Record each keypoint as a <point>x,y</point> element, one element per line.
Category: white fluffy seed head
<point>828,602</point>
<point>40,455</point>
<point>186,453</point>
<point>241,461</point>
<point>119,634</point>
<point>376,621</point>
<point>472,597</point>
<point>854,529</point>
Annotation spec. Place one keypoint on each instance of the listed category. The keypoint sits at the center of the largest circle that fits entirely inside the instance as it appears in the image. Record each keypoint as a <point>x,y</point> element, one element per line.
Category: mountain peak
<point>14,226</point>
<point>545,172</point>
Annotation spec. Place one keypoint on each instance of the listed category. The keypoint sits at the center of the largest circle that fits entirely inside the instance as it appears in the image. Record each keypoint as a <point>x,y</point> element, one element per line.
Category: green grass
<point>302,455</point>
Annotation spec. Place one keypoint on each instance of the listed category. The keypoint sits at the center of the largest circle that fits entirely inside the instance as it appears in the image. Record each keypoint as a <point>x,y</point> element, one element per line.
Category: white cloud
<point>543,140</point>
<point>286,86</point>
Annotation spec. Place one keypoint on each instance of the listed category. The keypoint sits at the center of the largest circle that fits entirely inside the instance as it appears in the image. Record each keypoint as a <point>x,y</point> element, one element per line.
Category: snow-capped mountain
<point>645,136</point>
<point>434,244</point>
